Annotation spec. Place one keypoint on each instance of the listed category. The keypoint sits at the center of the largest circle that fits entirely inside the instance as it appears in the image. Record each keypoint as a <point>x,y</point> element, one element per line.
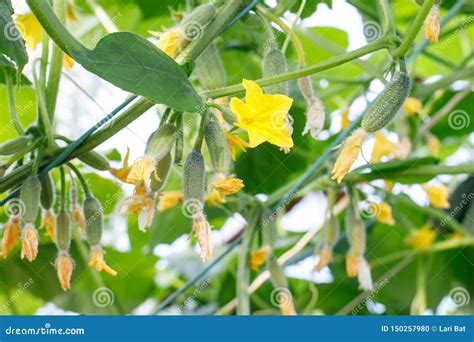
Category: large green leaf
<point>136,65</point>
<point>11,43</point>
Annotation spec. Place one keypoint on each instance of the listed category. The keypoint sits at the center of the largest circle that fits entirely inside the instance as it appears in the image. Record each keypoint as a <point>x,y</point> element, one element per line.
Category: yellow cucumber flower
<point>437,195</point>
<point>29,242</point>
<point>169,41</point>
<point>141,171</point>
<point>382,147</point>
<point>228,186</point>
<point>122,173</point>
<point>202,229</point>
<point>422,238</point>
<point>97,261</point>
<point>11,231</point>
<point>68,62</point>
<point>351,264</point>
<point>432,24</point>
<point>30,29</point>
<point>325,257</point>
<point>350,152</point>
<point>214,198</point>
<point>142,203</point>
<point>434,146</point>
<point>49,223</point>
<point>345,119</point>
<point>383,213</point>
<point>412,105</point>
<point>258,257</point>
<point>263,116</point>
<point>64,266</point>
<point>235,142</point>
<point>169,199</point>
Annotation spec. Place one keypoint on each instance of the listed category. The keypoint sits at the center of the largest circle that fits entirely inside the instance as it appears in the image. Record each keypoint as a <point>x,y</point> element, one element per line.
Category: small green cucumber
<point>95,160</point>
<point>47,192</point>
<point>194,177</point>
<point>388,103</point>
<point>30,198</point>
<point>274,63</point>
<point>94,221</point>
<point>218,147</point>
<point>161,141</point>
<point>63,230</point>
<point>14,145</point>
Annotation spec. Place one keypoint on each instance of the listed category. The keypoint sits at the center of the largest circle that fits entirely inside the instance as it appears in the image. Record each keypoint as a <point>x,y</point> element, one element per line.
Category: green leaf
<point>11,43</point>
<point>136,65</point>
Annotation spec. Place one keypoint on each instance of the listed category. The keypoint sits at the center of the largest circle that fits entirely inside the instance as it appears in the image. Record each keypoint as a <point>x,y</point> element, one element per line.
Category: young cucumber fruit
<point>388,103</point>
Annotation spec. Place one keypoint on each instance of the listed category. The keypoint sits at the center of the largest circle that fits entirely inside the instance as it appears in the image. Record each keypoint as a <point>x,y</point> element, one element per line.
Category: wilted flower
<point>350,151</point>
<point>315,116</point>
<point>258,257</point>
<point>29,242</point>
<point>97,260</point>
<point>11,231</point>
<point>49,223</point>
<point>202,229</point>
<point>228,186</point>
<point>64,266</point>
<point>363,275</point>
<point>432,24</point>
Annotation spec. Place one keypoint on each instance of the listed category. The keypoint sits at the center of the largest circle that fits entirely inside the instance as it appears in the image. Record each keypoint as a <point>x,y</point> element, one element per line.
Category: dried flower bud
<point>48,221</point>
<point>306,87</point>
<point>29,242</point>
<point>363,275</point>
<point>64,265</point>
<point>11,231</point>
<point>315,117</point>
<point>356,234</point>
<point>432,24</point>
<point>97,260</point>
<point>203,232</point>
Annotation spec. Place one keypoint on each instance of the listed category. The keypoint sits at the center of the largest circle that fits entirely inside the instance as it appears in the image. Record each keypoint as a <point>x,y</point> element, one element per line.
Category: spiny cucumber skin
<point>194,177</point>
<point>14,145</point>
<point>93,217</point>
<point>218,147</point>
<point>47,192</point>
<point>210,69</point>
<point>161,142</point>
<point>63,230</point>
<point>388,103</point>
<point>30,197</point>
<point>162,171</point>
<point>95,160</point>
<point>274,63</point>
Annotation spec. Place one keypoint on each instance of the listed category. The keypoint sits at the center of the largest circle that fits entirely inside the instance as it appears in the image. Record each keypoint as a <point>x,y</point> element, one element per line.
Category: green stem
<point>53,26</point>
<point>433,212</point>
<point>63,188</point>
<point>294,38</point>
<point>313,69</point>
<point>12,102</point>
<point>216,27</point>
<point>420,285</point>
<point>81,178</point>
<point>387,17</point>
<point>444,82</point>
<point>413,29</point>
<point>202,130</point>
<point>44,57</point>
<point>56,66</point>
<point>37,161</point>
<point>43,111</point>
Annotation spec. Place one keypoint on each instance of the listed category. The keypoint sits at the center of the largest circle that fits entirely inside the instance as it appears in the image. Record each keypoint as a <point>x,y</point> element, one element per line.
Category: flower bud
<point>11,231</point>
<point>64,265</point>
<point>162,171</point>
<point>218,147</point>
<point>274,63</point>
<point>209,68</point>
<point>29,242</point>
<point>95,160</point>
<point>94,223</point>
<point>432,24</point>
<point>47,192</point>
<point>63,230</point>
<point>161,142</point>
<point>14,145</point>
<point>30,197</point>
